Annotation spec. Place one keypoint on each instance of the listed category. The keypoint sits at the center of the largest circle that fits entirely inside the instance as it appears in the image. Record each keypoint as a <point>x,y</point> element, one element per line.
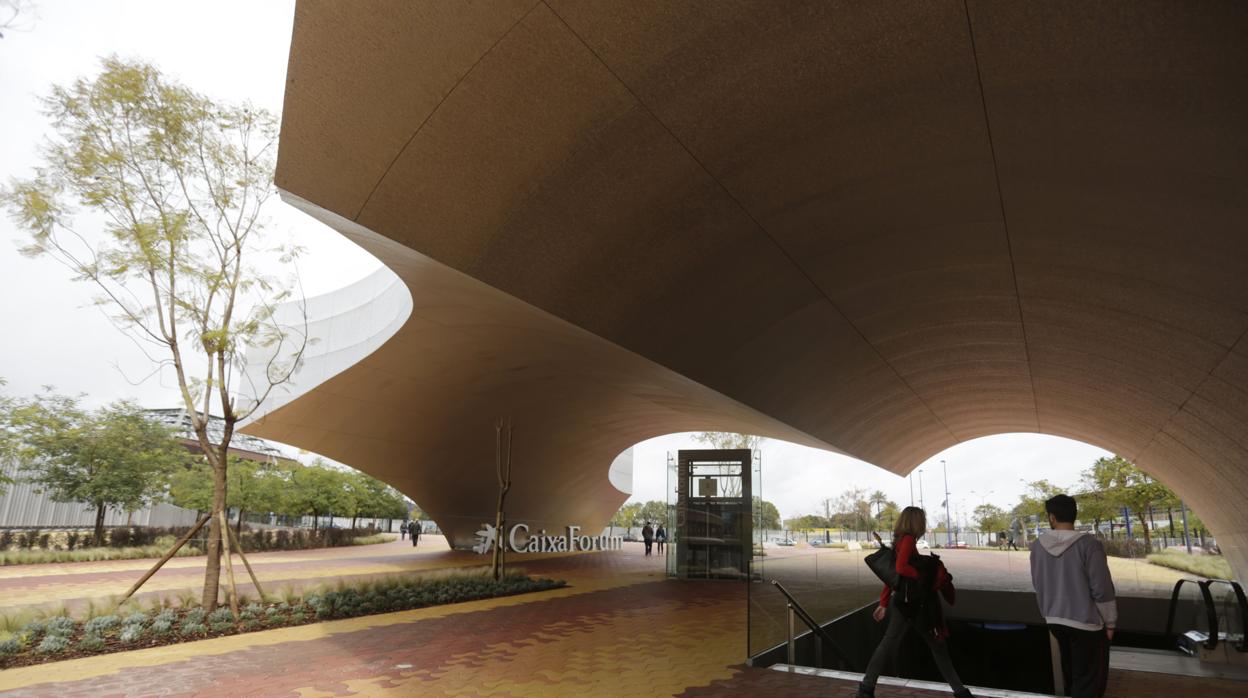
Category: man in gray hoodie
<point>1076,597</point>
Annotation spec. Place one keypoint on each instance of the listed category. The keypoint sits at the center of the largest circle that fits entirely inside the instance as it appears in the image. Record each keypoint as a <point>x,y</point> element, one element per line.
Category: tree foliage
<point>175,184</point>
<point>114,457</point>
<point>991,518</point>
<point>728,440</point>
<point>768,515</point>
<point>1117,482</point>
<point>627,515</point>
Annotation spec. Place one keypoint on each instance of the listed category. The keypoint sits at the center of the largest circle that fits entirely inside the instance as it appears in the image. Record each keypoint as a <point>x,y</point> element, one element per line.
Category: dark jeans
<point>415,539</point>
<point>649,543</point>
<point>658,545</point>
<point>897,626</point>
<point>1085,660</point>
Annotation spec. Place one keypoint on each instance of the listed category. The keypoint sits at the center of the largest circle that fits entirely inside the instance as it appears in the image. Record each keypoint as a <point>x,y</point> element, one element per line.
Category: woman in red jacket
<point>921,611</point>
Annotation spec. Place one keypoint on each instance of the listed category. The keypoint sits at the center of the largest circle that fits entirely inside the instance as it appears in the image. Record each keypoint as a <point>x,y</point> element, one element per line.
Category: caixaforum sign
<point>520,540</point>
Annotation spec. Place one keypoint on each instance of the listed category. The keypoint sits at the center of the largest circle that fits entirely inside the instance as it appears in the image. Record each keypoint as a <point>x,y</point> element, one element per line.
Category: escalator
<point>999,641</point>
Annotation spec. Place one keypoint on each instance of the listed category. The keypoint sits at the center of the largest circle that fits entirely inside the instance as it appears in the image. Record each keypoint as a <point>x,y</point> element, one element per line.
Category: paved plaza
<point>619,629</point>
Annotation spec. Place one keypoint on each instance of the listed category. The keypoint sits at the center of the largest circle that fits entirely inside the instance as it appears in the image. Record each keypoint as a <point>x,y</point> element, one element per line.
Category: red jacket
<point>904,548</point>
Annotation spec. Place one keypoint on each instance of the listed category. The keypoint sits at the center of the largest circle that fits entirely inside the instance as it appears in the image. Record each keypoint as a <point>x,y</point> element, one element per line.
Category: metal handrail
<point>1211,610</point>
<point>821,635</point>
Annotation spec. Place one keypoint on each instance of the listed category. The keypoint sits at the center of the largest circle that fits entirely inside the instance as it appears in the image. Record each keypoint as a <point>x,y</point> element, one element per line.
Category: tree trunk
<point>353,520</point>
<point>1170,516</point>
<point>212,571</point>
<point>238,529</point>
<point>1148,538</point>
<point>98,535</point>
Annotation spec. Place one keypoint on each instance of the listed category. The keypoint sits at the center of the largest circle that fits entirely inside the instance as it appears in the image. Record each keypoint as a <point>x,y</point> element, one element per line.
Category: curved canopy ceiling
<point>888,228</point>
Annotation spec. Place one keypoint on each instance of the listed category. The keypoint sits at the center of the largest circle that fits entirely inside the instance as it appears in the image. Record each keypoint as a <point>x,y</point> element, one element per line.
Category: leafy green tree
<point>115,457</point>
<point>767,514</point>
<point>1031,502</point>
<point>9,443</point>
<point>626,516</point>
<point>1126,485</point>
<point>179,183</point>
<point>888,517</point>
<point>653,511</point>
<point>252,486</point>
<point>807,522</point>
<point>1097,506</point>
<point>991,518</point>
<point>318,490</point>
<point>375,499</point>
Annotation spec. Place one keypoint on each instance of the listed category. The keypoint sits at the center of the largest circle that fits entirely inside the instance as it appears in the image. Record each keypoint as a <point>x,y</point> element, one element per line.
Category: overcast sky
<point>237,51</point>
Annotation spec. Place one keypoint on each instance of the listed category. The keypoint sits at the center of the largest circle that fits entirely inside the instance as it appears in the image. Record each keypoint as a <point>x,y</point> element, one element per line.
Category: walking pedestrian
<point>647,536</point>
<point>915,603</point>
<point>660,538</point>
<point>414,529</point>
<point>1016,533</point>
<point>403,531</point>
<point>1075,593</point>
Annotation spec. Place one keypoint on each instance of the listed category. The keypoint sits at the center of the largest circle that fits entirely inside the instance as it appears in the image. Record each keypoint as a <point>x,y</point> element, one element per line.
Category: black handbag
<point>883,563</point>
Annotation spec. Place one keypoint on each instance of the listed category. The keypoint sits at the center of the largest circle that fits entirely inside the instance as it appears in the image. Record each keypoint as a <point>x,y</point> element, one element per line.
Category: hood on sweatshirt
<point>1057,542</point>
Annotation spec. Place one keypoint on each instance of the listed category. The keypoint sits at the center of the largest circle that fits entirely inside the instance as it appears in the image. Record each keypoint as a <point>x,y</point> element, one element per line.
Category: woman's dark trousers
<point>897,626</point>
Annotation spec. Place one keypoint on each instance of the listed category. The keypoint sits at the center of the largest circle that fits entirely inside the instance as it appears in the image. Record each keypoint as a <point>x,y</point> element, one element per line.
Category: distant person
<point>403,531</point>
<point>1075,593</point>
<point>660,537</point>
<point>915,604</point>
<point>414,529</point>
<point>1016,533</point>
<point>647,536</point>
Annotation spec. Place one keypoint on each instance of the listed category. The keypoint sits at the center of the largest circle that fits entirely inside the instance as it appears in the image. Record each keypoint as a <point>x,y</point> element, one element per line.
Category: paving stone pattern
<point>619,630</point>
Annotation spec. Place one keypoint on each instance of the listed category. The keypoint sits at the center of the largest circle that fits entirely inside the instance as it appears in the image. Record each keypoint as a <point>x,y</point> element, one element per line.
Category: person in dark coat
<point>415,531</point>
<point>660,537</point>
<point>647,536</point>
<point>914,604</point>
<point>403,531</point>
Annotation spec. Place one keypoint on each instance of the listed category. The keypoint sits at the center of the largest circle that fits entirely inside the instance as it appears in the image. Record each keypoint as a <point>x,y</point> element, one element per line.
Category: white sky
<point>235,51</point>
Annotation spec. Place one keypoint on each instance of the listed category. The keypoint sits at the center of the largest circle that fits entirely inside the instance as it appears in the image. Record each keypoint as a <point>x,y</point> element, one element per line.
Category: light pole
<point>911,488</point>
<point>922,503</point>
<point>948,523</point>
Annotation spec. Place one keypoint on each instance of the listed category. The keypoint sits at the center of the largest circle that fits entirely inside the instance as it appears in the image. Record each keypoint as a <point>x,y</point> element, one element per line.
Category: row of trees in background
<point>654,511</point>
<point>117,457</point>
<point>853,510</point>
<point>1108,491</point>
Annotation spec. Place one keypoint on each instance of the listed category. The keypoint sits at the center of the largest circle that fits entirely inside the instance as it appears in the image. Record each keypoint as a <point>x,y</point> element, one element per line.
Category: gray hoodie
<point>1072,582</point>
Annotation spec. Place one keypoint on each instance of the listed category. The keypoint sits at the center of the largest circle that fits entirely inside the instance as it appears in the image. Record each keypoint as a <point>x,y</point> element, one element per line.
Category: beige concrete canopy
<point>883,228</point>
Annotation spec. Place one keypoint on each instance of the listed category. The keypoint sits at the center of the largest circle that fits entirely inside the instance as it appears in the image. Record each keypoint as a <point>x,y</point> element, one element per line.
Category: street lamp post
<point>948,523</point>
<point>922,502</point>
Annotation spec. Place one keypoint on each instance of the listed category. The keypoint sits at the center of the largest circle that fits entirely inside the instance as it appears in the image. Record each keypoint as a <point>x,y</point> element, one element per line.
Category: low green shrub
<point>99,624</point>
<point>61,626</point>
<point>11,645</point>
<point>91,643</point>
<point>136,618</point>
<point>192,629</point>
<point>221,615</point>
<point>130,633</point>
<point>161,626</point>
<point>1122,547</point>
<point>53,644</point>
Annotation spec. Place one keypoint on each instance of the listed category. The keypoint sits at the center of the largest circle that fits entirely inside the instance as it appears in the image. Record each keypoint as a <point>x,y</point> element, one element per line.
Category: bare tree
<point>16,15</point>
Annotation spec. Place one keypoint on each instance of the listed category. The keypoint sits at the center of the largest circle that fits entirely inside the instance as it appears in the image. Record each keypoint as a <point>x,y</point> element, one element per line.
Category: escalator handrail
<point>1211,610</point>
<point>810,622</point>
